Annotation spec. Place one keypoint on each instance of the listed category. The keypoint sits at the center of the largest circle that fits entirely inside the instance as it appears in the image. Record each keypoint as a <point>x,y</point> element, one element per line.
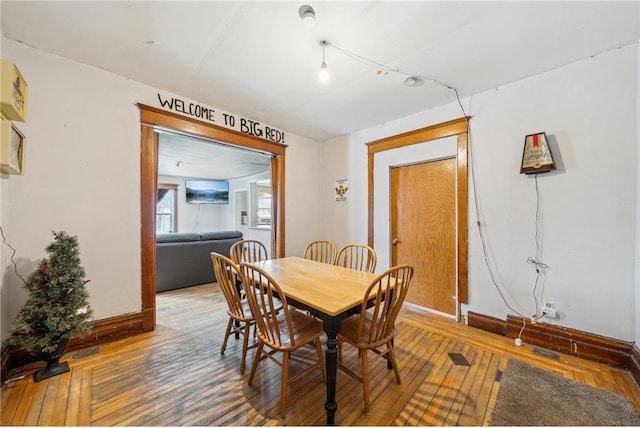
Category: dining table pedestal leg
<point>331,328</point>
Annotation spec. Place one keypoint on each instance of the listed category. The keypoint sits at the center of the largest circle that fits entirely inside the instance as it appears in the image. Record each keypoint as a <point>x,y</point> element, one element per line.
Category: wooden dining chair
<point>240,316</point>
<point>279,329</point>
<point>248,250</point>
<point>321,251</point>
<point>373,329</point>
<point>357,256</point>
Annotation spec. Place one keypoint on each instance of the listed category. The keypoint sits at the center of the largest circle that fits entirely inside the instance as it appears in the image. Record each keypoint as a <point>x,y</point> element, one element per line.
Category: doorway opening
<point>455,132</point>
<point>152,118</point>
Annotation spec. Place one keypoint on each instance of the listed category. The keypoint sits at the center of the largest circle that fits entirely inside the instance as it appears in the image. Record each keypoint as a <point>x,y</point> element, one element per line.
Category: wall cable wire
<point>13,253</point>
<point>539,265</point>
<point>477,211</point>
<point>383,67</point>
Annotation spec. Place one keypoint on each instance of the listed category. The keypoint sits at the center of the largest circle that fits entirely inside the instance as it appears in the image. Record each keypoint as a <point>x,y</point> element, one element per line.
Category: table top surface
<point>327,288</point>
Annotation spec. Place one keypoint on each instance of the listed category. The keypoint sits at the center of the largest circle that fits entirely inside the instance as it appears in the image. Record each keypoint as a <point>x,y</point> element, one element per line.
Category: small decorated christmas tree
<point>57,308</point>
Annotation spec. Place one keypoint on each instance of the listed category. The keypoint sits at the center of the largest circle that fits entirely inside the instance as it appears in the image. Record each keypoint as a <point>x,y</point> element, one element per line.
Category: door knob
<point>395,241</point>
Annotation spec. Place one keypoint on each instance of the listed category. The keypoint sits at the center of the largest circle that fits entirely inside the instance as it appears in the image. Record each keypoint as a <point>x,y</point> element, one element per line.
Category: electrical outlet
<point>548,312</point>
<point>549,305</point>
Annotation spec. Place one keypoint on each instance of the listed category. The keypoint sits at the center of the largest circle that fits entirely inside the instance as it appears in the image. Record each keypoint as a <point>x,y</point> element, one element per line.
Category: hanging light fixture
<point>410,81</point>
<point>307,14</point>
<point>324,70</point>
<point>413,81</point>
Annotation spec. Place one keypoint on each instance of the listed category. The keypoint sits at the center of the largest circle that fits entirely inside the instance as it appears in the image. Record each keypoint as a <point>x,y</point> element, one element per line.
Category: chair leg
<point>392,360</point>
<point>226,336</point>
<point>245,345</point>
<point>283,386</point>
<point>256,360</point>
<point>237,329</point>
<point>365,380</point>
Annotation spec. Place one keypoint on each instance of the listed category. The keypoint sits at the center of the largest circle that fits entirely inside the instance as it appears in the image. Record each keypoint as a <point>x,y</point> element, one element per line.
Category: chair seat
<point>246,310</point>
<point>349,332</point>
<point>305,329</point>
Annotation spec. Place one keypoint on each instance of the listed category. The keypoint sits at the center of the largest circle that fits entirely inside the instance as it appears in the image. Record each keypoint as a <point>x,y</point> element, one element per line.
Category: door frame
<point>457,127</point>
<point>151,117</point>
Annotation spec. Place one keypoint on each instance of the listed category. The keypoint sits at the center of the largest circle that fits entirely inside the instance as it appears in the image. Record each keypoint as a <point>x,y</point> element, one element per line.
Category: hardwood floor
<point>175,375</point>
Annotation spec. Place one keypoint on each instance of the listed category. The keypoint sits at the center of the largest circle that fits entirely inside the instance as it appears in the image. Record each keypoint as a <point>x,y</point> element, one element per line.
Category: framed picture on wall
<point>12,149</point>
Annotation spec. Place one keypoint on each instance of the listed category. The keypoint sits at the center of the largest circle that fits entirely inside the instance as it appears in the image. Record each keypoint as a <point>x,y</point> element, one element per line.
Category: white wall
<point>4,263</point>
<point>83,176</point>
<point>638,198</point>
<point>305,167</point>
<point>589,206</point>
<point>345,221</point>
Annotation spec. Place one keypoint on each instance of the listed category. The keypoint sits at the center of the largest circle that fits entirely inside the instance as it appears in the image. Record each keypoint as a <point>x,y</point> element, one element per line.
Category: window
<point>167,208</point>
<point>261,196</point>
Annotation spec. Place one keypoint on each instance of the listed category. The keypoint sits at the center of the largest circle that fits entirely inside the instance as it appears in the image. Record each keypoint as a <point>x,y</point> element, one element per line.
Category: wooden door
<point>423,230</point>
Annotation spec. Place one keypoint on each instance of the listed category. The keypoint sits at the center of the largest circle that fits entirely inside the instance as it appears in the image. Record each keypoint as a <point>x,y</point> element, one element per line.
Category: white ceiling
<point>257,59</point>
<point>185,156</point>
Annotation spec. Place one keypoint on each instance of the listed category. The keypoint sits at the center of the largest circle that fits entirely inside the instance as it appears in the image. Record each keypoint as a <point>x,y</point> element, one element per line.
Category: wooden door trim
<point>152,116</point>
<point>457,127</point>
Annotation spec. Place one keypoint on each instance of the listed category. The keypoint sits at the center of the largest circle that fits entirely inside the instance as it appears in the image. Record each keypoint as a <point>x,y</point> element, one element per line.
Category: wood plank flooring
<point>176,376</point>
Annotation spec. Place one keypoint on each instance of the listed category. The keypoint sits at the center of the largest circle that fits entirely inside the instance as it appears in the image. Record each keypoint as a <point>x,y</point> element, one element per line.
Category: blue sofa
<point>184,259</point>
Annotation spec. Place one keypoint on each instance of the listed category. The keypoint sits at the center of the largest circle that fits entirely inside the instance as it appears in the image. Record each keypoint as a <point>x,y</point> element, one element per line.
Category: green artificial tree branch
<point>57,308</point>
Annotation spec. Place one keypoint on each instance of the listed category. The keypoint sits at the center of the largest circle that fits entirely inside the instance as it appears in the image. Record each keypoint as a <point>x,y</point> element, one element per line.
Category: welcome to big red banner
<point>237,123</point>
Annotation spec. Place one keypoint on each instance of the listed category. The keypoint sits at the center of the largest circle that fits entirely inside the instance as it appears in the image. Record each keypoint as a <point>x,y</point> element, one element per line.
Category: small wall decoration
<point>341,189</point>
<point>12,148</point>
<point>13,92</point>
<point>536,156</point>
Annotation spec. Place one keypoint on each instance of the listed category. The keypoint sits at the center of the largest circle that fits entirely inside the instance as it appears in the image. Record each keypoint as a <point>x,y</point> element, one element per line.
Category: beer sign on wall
<point>218,117</point>
<point>536,155</point>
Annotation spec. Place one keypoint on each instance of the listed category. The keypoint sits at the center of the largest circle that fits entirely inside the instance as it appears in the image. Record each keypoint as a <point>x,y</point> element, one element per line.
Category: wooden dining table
<point>330,293</point>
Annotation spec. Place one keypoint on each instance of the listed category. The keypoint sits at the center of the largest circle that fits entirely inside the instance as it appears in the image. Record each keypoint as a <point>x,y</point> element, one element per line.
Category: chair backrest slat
<point>248,250</point>
<point>357,256</point>
<point>269,307</point>
<point>321,251</point>
<point>387,292</point>
<point>226,272</point>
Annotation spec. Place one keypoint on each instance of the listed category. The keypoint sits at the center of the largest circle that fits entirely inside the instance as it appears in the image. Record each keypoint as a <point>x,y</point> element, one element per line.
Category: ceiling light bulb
<point>308,15</point>
<point>324,73</point>
<point>324,70</point>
